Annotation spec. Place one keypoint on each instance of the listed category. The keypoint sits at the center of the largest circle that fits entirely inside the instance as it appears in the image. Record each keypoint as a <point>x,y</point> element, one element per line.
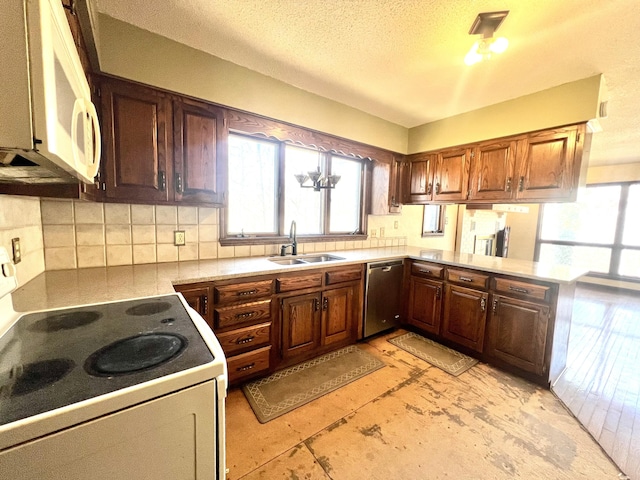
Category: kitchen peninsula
<point>520,311</point>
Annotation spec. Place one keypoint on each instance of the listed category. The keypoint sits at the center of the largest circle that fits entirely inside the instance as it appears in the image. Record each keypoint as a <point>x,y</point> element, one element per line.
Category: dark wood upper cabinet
<point>418,173</point>
<point>534,167</point>
<point>494,171</point>
<point>136,123</point>
<point>548,164</point>
<point>451,175</point>
<point>199,152</point>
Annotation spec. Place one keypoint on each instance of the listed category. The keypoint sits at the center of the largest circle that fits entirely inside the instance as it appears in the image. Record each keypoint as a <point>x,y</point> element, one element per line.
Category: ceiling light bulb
<point>499,45</point>
<point>473,56</point>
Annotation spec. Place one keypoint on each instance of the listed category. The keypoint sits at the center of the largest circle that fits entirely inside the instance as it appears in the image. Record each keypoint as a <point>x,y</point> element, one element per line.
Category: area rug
<point>442,357</point>
<point>289,389</point>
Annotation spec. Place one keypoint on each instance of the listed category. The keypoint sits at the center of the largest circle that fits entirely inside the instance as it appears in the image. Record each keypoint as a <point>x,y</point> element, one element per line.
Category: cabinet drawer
<point>466,277</point>
<point>245,291</point>
<point>247,313</point>
<point>298,282</point>
<point>427,270</point>
<point>248,364</point>
<point>535,292</point>
<point>244,338</point>
<point>346,275</point>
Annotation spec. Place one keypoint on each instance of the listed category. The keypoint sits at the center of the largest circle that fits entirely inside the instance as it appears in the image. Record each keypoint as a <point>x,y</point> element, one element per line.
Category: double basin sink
<point>305,259</point>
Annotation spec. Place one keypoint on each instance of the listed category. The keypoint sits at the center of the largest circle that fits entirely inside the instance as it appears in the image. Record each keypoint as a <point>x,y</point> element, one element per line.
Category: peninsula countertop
<point>64,288</point>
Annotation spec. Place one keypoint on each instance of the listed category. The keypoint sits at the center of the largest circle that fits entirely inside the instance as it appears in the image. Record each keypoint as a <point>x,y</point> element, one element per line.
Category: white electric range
<point>127,389</point>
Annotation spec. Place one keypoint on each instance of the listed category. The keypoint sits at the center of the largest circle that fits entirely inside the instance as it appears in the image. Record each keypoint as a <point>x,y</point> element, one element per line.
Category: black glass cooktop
<point>52,359</point>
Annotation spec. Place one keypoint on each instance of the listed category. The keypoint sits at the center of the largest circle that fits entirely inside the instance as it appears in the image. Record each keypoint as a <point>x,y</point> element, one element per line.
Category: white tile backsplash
<point>81,234</point>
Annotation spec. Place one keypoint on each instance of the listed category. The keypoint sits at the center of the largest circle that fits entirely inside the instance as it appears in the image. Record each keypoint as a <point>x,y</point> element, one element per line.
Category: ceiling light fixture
<point>319,182</point>
<point>486,24</point>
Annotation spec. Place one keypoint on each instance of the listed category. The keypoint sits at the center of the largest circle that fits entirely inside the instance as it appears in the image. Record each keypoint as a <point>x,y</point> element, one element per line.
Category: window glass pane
<point>631,231</point>
<point>629,263</point>
<point>345,198</point>
<point>252,186</point>
<point>304,205</point>
<point>596,259</point>
<point>432,220</point>
<point>592,219</point>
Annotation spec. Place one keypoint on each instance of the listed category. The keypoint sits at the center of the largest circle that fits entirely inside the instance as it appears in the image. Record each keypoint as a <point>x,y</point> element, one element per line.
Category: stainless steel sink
<point>287,261</point>
<point>323,257</point>
<point>320,258</point>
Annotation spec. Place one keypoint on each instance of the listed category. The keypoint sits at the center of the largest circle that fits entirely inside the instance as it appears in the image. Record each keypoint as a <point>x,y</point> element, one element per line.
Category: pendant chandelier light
<point>318,181</point>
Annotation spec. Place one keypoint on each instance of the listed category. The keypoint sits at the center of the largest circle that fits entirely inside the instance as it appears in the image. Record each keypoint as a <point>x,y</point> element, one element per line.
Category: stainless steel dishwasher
<point>383,296</point>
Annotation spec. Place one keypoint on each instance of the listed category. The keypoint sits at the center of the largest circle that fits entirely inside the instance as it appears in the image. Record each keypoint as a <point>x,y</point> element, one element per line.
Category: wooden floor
<point>601,385</point>
<point>412,421</point>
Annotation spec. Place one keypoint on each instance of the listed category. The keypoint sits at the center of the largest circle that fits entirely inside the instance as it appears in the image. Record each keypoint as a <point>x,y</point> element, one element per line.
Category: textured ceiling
<point>402,60</point>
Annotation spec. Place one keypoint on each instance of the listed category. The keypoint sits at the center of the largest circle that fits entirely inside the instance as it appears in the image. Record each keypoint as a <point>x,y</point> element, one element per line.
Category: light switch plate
<point>17,251</point>
<point>178,238</point>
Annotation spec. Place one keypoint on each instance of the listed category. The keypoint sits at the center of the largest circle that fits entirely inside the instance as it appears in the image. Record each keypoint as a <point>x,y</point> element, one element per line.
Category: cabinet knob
<point>325,303</point>
<point>316,304</point>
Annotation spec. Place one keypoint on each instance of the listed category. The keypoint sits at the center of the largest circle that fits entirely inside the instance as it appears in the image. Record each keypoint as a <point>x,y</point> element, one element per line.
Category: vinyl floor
<point>601,385</point>
<point>410,420</point>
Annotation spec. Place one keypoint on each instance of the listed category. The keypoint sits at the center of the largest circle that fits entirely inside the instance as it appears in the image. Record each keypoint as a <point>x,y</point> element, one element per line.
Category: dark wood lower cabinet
<point>198,298</point>
<point>301,317</point>
<point>337,308</point>
<point>425,304</point>
<point>465,316</point>
<point>518,333</point>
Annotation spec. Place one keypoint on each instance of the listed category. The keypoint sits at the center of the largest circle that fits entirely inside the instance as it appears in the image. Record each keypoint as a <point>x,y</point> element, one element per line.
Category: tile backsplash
<point>81,234</point>
<point>20,218</point>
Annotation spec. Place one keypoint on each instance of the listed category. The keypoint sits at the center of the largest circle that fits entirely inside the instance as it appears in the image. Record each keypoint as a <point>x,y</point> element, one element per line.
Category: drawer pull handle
<point>466,279</point>
<point>245,315</point>
<point>429,188</point>
<point>242,341</point>
<point>205,301</point>
<point>521,184</point>
<point>518,289</point>
<point>483,304</point>
<point>248,292</point>
<point>438,292</point>
<point>325,303</point>
<point>316,304</point>
<point>495,305</point>
<point>508,188</point>
<point>246,367</point>
<point>425,271</point>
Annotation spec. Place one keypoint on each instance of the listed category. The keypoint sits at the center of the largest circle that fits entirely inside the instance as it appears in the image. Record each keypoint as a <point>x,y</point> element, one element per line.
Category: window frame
<point>282,233</point>
<point>441,221</point>
<point>615,247</point>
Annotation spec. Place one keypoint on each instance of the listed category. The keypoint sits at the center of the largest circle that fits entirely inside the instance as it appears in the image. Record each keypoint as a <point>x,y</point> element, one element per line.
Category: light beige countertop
<point>63,288</point>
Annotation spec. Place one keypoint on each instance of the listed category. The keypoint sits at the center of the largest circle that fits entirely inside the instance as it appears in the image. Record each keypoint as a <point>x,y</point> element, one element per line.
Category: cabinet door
<point>337,315</point>
<point>518,333</point>
<point>493,172</point>
<point>425,304</point>
<point>199,152</point>
<point>547,165</point>
<point>136,121</point>
<point>465,316</point>
<point>199,299</point>
<point>300,324</point>
<point>419,182</point>
<point>451,175</point>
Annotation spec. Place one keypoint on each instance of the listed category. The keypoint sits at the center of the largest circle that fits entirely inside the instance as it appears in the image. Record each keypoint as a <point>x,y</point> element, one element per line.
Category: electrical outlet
<point>17,251</point>
<point>178,238</point>
<point>373,232</point>
<point>382,231</point>
<point>395,225</point>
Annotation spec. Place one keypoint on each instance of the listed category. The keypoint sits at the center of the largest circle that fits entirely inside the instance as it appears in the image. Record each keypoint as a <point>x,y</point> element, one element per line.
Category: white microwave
<point>46,113</point>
